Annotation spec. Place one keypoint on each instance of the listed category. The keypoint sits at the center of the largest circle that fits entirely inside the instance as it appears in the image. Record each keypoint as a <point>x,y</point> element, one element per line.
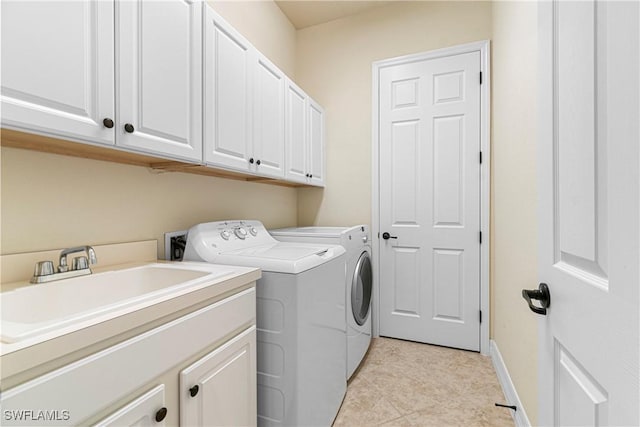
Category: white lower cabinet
<point>133,383</point>
<point>147,410</point>
<point>220,389</point>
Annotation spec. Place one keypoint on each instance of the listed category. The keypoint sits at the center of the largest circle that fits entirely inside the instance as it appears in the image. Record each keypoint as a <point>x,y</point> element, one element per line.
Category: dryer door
<point>361,289</point>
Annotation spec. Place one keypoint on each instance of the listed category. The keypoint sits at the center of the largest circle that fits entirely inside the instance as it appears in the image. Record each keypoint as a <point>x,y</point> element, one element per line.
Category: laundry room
<point>315,213</point>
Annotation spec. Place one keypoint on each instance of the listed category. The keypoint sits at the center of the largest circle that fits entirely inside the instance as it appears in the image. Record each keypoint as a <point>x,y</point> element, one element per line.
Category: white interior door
<point>429,124</point>
<point>160,77</point>
<point>588,201</point>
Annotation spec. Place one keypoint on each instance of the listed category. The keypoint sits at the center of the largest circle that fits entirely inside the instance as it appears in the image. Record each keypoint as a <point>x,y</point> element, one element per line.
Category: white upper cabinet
<point>304,137</point>
<point>58,68</point>
<point>228,85</point>
<point>160,77</point>
<point>244,103</point>
<point>316,143</point>
<point>268,119</point>
<point>59,63</point>
<point>168,78</point>
<point>295,136</point>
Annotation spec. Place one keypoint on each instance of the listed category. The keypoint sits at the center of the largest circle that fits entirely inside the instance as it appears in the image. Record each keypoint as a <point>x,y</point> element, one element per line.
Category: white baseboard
<point>520,415</point>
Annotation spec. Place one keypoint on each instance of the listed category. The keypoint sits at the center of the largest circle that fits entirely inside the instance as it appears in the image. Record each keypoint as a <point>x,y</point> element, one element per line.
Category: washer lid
<point>282,257</point>
<point>315,231</point>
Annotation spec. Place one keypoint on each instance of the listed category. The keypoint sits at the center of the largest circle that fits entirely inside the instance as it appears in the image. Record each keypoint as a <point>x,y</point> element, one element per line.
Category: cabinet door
<point>160,77</point>
<point>57,68</point>
<point>268,119</point>
<point>316,143</point>
<point>295,133</point>
<point>140,412</point>
<point>220,389</point>
<point>227,89</point>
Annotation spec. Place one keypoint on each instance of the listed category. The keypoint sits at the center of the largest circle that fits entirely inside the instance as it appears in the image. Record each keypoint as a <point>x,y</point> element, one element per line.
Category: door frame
<point>485,174</point>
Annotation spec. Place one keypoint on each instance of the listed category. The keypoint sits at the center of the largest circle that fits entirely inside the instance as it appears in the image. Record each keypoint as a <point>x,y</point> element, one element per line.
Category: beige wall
<point>265,26</point>
<point>51,201</point>
<point>333,64</point>
<point>514,193</point>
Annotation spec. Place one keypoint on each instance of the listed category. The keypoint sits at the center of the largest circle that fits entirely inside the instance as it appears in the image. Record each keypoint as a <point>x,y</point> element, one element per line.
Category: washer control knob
<point>225,234</point>
<point>240,232</point>
<point>365,239</point>
<point>253,231</point>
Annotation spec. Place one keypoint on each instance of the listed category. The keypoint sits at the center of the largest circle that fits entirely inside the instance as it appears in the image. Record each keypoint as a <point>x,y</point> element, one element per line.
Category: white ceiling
<point>305,13</point>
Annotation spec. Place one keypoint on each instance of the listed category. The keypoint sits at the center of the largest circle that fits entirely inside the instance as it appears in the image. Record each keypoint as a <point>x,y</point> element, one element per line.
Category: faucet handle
<point>43,268</point>
<point>93,259</point>
<point>80,263</point>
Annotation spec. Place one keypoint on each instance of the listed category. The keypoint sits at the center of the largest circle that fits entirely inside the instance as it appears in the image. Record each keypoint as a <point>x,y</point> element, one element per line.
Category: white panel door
<point>430,201</point>
<point>268,119</point>
<point>160,77</point>
<point>588,199</point>
<point>220,389</point>
<point>57,68</point>
<point>228,85</point>
<point>295,133</point>
<point>315,143</point>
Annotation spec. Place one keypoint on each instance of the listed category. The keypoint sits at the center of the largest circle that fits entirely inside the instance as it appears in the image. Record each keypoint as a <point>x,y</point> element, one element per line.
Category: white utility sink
<point>36,309</point>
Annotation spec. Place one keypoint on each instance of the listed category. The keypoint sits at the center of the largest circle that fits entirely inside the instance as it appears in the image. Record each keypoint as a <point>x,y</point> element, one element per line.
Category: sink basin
<point>37,309</point>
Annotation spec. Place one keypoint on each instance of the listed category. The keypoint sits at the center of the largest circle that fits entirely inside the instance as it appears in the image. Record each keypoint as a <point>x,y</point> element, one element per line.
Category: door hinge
<point>480,236</point>
<point>378,234</point>
<point>480,77</point>
<point>481,157</point>
<point>480,316</point>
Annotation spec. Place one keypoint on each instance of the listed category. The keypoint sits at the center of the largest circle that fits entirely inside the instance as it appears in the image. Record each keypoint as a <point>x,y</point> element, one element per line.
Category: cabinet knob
<point>193,391</point>
<point>108,123</point>
<point>129,128</point>
<point>161,414</point>
<point>310,175</point>
<point>251,160</point>
<point>258,162</point>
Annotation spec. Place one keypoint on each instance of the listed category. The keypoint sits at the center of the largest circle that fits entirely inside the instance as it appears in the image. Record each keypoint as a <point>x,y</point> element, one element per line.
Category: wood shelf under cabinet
<point>17,139</point>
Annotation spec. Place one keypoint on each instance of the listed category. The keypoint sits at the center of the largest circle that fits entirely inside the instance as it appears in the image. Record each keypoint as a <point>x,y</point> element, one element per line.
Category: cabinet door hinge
<point>481,157</point>
<point>480,236</point>
<point>480,316</point>
<point>480,77</point>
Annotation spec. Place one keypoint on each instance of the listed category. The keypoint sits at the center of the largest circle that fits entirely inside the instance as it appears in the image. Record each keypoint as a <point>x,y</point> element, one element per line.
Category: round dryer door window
<point>361,289</point>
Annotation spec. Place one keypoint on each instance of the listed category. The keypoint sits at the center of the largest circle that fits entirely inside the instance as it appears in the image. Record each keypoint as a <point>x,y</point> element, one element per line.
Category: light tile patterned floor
<point>403,383</point>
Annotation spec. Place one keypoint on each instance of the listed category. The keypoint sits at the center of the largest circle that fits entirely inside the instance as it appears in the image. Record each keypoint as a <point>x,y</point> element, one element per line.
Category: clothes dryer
<point>300,318</point>
<point>359,280</point>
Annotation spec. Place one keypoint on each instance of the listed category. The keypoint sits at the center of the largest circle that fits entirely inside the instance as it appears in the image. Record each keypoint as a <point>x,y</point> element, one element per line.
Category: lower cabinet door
<point>146,410</point>
<point>220,388</point>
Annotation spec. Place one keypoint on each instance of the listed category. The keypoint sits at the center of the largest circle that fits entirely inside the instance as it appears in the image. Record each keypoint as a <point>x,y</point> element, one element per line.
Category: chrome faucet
<point>82,261</point>
<point>44,271</point>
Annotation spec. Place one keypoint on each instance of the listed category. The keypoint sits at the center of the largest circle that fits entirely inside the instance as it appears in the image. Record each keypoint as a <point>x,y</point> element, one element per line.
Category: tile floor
<point>403,383</point>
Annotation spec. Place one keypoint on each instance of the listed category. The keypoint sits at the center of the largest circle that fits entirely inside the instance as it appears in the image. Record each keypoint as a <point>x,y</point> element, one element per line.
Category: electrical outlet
<point>174,244</point>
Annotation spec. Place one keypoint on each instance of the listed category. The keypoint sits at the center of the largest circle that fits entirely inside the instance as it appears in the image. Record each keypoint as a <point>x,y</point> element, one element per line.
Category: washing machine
<point>300,318</point>
<point>359,280</point>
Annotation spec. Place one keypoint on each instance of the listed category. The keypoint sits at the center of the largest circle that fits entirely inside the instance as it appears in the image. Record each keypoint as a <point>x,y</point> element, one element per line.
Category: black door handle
<point>541,294</point>
<point>387,236</point>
